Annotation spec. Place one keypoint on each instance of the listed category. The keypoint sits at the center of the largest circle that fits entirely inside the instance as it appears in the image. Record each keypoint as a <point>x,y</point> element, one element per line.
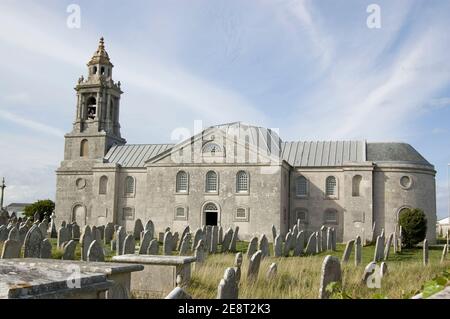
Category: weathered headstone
<point>358,251</point>
<point>149,226</point>
<point>214,239</point>
<point>287,244</point>
<point>368,271</point>
<point>183,234</point>
<point>145,242</point>
<point>153,247</point>
<point>53,232</point>
<point>333,239</point>
<point>299,244</point>
<point>138,227</point>
<point>331,272</point>
<point>277,247</point>
<point>237,266</point>
<point>85,241</point>
<point>220,237</point>
<point>348,251</point>
<point>311,245</point>
<point>3,233</point>
<point>252,247</point>
<point>227,240</point>
<point>234,239</point>
<point>253,267</point>
<point>379,249</point>
<point>185,244</point>
<point>69,250</point>
<point>95,252</point>
<point>76,233</point>
<point>264,246</point>
<point>108,233</point>
<point>63,236</point>
<point>178,293</point>
<point>22,233</point>
<point>43,226</point>
<point>11,249</point>
<point>14,234</point>
<point>46,249</point>
<point>425,252</point>
<point>33,242</point>
<point>121,234</point>
<point>69,231</point>
<point>167,243</point>
<point>271,272</point>
<point>197,237</point>
<point>388,246</point>
<point>329,239</point>
<point>317,242</point>
<point>208,235</point>
<point>228,288</point>
<point>128,245</point>
<point>323,237</point>
<point>200,253</point>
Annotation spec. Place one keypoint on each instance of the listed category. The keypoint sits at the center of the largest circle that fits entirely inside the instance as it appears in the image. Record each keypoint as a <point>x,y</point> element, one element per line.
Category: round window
<point>81,183</point>
<point>405,181</point>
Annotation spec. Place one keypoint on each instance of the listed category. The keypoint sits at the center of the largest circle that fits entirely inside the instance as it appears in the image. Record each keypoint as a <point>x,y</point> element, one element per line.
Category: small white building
<point>18,208</point>
<point>443,226</point>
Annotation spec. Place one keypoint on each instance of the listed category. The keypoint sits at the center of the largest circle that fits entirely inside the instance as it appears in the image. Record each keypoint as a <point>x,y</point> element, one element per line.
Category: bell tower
<point>96,127</point>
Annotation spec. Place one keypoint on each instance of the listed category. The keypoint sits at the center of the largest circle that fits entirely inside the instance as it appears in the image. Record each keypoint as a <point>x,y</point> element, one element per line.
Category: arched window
<point>129,185</point>
<point>84,148</point>
<point>211,182</point>
<point>241,182</point>
<point>331,186</point>
<point>212,148</point>
<point>301,186</point>
<point>356,183</point>
<point>330,216</point>
<point>103,185</point>
<point>182,182</point>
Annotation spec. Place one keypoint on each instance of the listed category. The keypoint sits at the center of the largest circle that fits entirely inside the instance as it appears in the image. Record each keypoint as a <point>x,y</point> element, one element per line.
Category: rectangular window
<point>241,214</point>
<point>128,213</point>
<point>180,213</point>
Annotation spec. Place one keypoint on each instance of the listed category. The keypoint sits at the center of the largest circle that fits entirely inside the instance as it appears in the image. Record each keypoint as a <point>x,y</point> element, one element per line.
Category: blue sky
<point>313,69</point>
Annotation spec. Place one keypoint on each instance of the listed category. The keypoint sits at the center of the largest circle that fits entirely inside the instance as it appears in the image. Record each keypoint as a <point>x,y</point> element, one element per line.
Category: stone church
<point>230,175</point>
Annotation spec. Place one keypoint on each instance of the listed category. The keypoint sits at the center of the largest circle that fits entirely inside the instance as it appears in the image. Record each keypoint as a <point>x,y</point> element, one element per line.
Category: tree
<point>43,207</point>
<point>414,226</point>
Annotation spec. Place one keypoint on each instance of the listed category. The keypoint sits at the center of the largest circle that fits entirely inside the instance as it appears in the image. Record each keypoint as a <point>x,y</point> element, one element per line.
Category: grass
<point>299,277</point>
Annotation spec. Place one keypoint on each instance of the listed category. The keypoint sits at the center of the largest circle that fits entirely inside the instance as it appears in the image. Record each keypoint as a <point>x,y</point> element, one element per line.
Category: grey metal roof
<point>394,152</point>
<point>134,155</point>
<point>322,153</point>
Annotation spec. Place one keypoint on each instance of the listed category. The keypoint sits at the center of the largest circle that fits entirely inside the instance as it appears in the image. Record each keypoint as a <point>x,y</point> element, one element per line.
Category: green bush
<point>43,207</point>
<point>414,226</point>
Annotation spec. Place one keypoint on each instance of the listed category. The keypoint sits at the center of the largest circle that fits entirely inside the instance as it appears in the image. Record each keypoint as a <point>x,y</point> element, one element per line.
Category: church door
<point>211,214</point>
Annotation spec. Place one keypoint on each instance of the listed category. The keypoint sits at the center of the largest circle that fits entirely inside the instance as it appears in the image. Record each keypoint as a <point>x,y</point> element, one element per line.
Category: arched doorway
<point>210,214</point>
<point>79,215</point>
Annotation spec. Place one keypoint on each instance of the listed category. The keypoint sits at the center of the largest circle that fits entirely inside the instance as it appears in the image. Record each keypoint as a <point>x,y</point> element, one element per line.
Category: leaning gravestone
<point>234,239</point>
<point>46,249</point>
<point>108,233</point>
<point>287,244</point>
<point>33,242</point>
<point>331,272</point>
<point>227,240</point>
<point>228,288</point>
<point>348,251</point>
<point>167,243</point>
<point>95,252</point>
<point>145,242</point>
<point>69,250</point>
<point>183,234</point>
<point>85,241</point>
<point>153,247</point>
<point>11,249</point>
<point>299,243</point>
<point>253,267</point>
<point>271,272</point>
<point>264,246</point>
<point>358,250</point>
<point>311,245</point>
<point>184,247</point>
<point>197,237</point>
<point>277,246</point>
<point>128,245</point>
<point>252,247</point>
<point>388,246</point>
<point>138,228</point>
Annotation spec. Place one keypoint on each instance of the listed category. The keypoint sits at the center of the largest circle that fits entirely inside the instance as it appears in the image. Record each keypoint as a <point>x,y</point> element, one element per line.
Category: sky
<point>312,69</point>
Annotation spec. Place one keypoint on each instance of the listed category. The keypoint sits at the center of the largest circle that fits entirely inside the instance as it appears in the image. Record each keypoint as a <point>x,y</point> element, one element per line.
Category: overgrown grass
<point>299,277</point>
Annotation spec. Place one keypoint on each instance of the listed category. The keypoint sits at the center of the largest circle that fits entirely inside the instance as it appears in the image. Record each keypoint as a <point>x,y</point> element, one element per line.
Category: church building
<point>233,174</point>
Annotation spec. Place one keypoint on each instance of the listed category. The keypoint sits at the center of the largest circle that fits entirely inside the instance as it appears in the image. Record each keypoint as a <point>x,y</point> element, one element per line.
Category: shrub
<point>414,226</point>
<point>43,207</point>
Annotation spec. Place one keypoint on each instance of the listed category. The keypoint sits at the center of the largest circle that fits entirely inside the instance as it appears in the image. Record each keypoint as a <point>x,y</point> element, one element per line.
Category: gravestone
<point>3,233</point>
<point>323,238</point>
<point>46,249</point>
<point>299,243</point>
<point>383,269</point>
<point>425,252</point>
<point>76,233</point>
<point>85,241</point>
<point>167,243</point>
<point>138,227</point>
<point>234,239</point>
<point>149,226</point>
<point>95,252</point>
<point>317,242</point>
<point>128,245</point>
<point>374,235</point>
<point>331,272</point>
<point>379,249</point>
<point>108,233</point>
<point>153,247</point>
<point>63,236</point>
<point>102,232</point>
<point>348,251</point>
<point>23,230</point>
<point>252,247</point>
<point>271,272</point>
<point>33,242</point>
<point>183,234</point>
<point>208,237</point>
<point>69,250</point>
<point>214,239</point>
<point>368,271</point>
<point>43,226</point>
<point>387,248</point>
<point>11,249</point>
<point>294,234</point>
<point>227,240</point>
<point>145,242</point>
<point>287,244</point>
<point>333,239</point>
<point>37,217</point>
<point>277,247</point>
<point>14,234</point>
<point>228,288</point>
<point>311,245</point>
<point>121,234</point>
<point>329,239</point>
<point>200,253</point>
<point>274,233</point>
<point>69,231</point>
<point>253,267</point>
<point>220,236</point>
<point>264,246</point>
<point>185,244</point>
<point>237,266</point>
<point>358,251</point>
<point>98,234</point>
<point>197,237</point>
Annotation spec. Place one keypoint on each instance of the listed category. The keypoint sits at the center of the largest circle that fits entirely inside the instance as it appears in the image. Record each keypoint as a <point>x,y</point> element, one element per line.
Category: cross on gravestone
<point>264,246</point>
<point>185,244</point>
<point>95,252</point>
<point>348,251</point>
<point>228,288</point>
<point>145,242</point>
<point>234,239</point>
<point>287,244</point>
<point>33,242</point>
<point>311,245</point>
<point>69,250</point>
<point>425,252</point>
<point>167,243</point>
<point>252,247</point>
<point>277,247</point>
<point>128,245</point>
<point>85,241</point>
<point>274,233</point>
<point>331,272</point>
<point>200,253</point>
<point>358,251</point>
<point>138,227</point>
<point>237,266</point>
<point>11,249</point>
<point>153,247</point>
<point>46,249</point>
<point>388,246</point>
<point>253,267</point>
<point>271,272</point>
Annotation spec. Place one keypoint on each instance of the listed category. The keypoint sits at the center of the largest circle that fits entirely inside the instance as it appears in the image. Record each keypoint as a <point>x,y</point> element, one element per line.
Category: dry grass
<point>299,277</point>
